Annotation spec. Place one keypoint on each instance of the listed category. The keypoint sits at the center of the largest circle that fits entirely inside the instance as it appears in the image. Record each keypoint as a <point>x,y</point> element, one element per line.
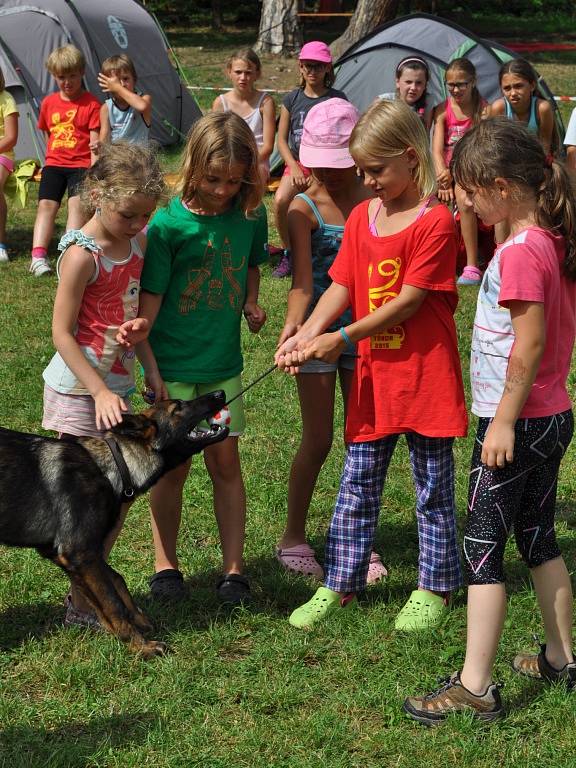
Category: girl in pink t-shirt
<point>520,359</point>
<point>395,269</point>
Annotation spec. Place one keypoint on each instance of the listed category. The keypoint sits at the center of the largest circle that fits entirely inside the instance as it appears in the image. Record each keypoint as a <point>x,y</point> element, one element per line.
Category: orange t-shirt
<point>69,124</point>
<point>407,378</point>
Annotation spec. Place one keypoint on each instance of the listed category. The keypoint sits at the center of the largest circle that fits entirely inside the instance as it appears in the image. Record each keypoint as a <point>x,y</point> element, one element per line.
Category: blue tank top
<point>325,244</point>
<point>532,124</point>
<point>127,124</point>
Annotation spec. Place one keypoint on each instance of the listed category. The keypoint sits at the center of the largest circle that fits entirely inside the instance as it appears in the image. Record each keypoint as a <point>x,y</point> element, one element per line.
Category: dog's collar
<point>127,485</point>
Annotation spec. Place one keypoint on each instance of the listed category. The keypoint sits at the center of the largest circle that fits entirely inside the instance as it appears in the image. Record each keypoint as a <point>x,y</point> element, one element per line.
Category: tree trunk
<point>279,30</point>
<point>368,15</point>
<point>217,17</point>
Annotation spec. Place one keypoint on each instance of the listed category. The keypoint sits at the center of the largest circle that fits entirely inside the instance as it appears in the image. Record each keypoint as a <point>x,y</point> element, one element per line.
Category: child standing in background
<point>255,107</point>
<point>203,275</point>
<point>463,109</point>
<point>316,221</point>
<point>412,76</point>
<point>8,139</point>
<point>396,269</point>
<point>520,361</point>
<point>71,122</point>
<point>126,113</point>
<point>90,378</point>
<point>317,76</point>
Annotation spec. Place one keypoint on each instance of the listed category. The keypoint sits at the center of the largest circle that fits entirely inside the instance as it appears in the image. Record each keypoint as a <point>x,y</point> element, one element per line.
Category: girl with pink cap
<point>317,76</point>
<point>316,226</point>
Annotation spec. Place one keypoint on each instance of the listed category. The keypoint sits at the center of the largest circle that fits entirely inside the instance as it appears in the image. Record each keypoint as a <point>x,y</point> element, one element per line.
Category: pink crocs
<point>300,559</point>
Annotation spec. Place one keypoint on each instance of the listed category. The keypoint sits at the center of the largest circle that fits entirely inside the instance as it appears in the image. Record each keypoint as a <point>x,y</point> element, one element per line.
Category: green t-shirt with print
<point>200,265</point>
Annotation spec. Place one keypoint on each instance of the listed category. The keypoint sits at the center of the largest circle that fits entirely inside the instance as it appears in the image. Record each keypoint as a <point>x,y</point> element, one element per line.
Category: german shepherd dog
<point>63,497</point>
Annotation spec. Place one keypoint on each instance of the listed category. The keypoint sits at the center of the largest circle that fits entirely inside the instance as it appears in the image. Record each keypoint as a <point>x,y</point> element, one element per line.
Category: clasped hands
<point>296,350</point>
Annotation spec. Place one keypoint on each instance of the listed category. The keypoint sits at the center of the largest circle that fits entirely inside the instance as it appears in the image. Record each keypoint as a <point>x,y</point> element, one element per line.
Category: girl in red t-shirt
<point>396,270</point>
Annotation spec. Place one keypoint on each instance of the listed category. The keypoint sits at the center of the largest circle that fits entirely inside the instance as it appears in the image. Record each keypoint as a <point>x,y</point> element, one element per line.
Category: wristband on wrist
<point>347,339</point>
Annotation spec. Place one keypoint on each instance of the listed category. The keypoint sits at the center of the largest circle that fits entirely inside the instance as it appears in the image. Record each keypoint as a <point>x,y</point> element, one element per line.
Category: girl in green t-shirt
<point>201,276</point>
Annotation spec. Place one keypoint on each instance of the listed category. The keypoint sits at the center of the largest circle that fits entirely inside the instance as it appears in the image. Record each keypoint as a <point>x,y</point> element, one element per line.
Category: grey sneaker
<point>4,258</point>
<point>39,267</point>
<point>452,696</point>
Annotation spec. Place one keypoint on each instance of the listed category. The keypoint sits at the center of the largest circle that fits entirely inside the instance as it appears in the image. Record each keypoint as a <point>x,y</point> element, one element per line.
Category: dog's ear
<point>135,425</point>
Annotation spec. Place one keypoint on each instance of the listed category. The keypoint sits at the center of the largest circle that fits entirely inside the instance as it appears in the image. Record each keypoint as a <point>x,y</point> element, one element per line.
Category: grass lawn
<point>245,690</point>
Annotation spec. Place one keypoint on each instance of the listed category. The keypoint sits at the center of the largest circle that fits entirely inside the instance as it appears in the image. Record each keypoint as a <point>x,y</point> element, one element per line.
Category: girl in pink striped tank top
<point>463,109</point>
<point>89,379</point>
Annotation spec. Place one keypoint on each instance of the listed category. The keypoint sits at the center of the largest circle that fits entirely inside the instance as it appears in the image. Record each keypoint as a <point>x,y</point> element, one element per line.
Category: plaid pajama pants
<point>353,526</point>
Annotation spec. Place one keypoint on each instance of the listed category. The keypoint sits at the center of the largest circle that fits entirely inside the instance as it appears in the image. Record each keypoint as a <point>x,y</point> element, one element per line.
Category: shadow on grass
<point>72,743</point>
<point>275,592</point>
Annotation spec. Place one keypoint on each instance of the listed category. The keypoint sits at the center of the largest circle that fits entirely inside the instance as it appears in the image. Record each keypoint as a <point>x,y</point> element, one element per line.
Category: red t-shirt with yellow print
<point>69,124</point>
<point>408,377</point>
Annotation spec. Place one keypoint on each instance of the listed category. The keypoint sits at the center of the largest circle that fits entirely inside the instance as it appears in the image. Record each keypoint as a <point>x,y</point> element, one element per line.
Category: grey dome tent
<point>29,31</point>
<point>367,69</point>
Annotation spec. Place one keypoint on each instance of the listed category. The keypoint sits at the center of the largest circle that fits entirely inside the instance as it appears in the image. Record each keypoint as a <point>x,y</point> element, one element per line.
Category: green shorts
<point>182,390</point>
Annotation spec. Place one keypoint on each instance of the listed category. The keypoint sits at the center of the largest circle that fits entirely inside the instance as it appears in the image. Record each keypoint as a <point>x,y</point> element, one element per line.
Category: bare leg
<point>223,464</point>
<point>3,207</point>
<point>166,509</point>
<point>486,614</point>
<point>282,199</point>
<point>554,593</point>
<point>76,216</point>
<point>44,224</point>
<point>469,227</point>
<point>316,392</point>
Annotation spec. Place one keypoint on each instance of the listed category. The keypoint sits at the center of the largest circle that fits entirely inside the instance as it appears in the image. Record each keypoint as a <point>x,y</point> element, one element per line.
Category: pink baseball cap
<point>326,134</point>
<point>315,51</point>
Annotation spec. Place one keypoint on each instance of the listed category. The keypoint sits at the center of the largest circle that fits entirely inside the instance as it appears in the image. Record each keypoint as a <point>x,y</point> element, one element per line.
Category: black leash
<point>127,485</point>
<point>262,376</point>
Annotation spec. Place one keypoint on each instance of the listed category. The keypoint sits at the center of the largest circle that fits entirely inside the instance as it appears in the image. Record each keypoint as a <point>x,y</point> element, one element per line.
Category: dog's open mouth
<point>203,432</point>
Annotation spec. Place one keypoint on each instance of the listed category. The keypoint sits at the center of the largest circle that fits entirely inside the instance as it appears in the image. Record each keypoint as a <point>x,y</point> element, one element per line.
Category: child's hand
<point>327,347</point>
<point>155,388</point>
<point>109,84</point>
<point>289,361</point>
<point>109,409</point>
<point>498,445</point>
<point>133,332</point>
<point>300,180</point>
<point>446,195</point>
<point>94,146</point>
<point>255,316</point>
<point>289,330</point>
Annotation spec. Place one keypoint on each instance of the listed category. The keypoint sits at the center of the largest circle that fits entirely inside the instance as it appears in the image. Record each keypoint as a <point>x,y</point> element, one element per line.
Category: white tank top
<point>254,119</point>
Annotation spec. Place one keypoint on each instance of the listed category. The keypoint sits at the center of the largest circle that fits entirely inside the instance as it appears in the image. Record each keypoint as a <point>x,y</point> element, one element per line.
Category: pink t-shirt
<point>527,267</point>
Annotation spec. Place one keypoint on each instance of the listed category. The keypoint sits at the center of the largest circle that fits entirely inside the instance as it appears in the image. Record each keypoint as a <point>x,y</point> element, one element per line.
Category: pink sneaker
<point>470,276</point>
<point>284,268</point>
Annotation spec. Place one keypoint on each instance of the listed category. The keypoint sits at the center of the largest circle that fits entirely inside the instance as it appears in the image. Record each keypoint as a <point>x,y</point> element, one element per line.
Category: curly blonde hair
<point>122,170</point>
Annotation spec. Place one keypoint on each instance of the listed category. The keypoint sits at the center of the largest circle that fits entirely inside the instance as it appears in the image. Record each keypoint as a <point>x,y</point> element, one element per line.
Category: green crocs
<point>319,606</point>
<point>422,611</point>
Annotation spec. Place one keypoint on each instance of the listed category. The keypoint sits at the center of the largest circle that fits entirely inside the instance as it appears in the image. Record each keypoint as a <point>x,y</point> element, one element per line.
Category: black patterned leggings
<point>520,496</point>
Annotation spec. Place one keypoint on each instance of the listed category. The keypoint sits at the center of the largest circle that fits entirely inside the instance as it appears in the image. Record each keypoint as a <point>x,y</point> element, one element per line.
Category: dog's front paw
<point>153,648</point>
